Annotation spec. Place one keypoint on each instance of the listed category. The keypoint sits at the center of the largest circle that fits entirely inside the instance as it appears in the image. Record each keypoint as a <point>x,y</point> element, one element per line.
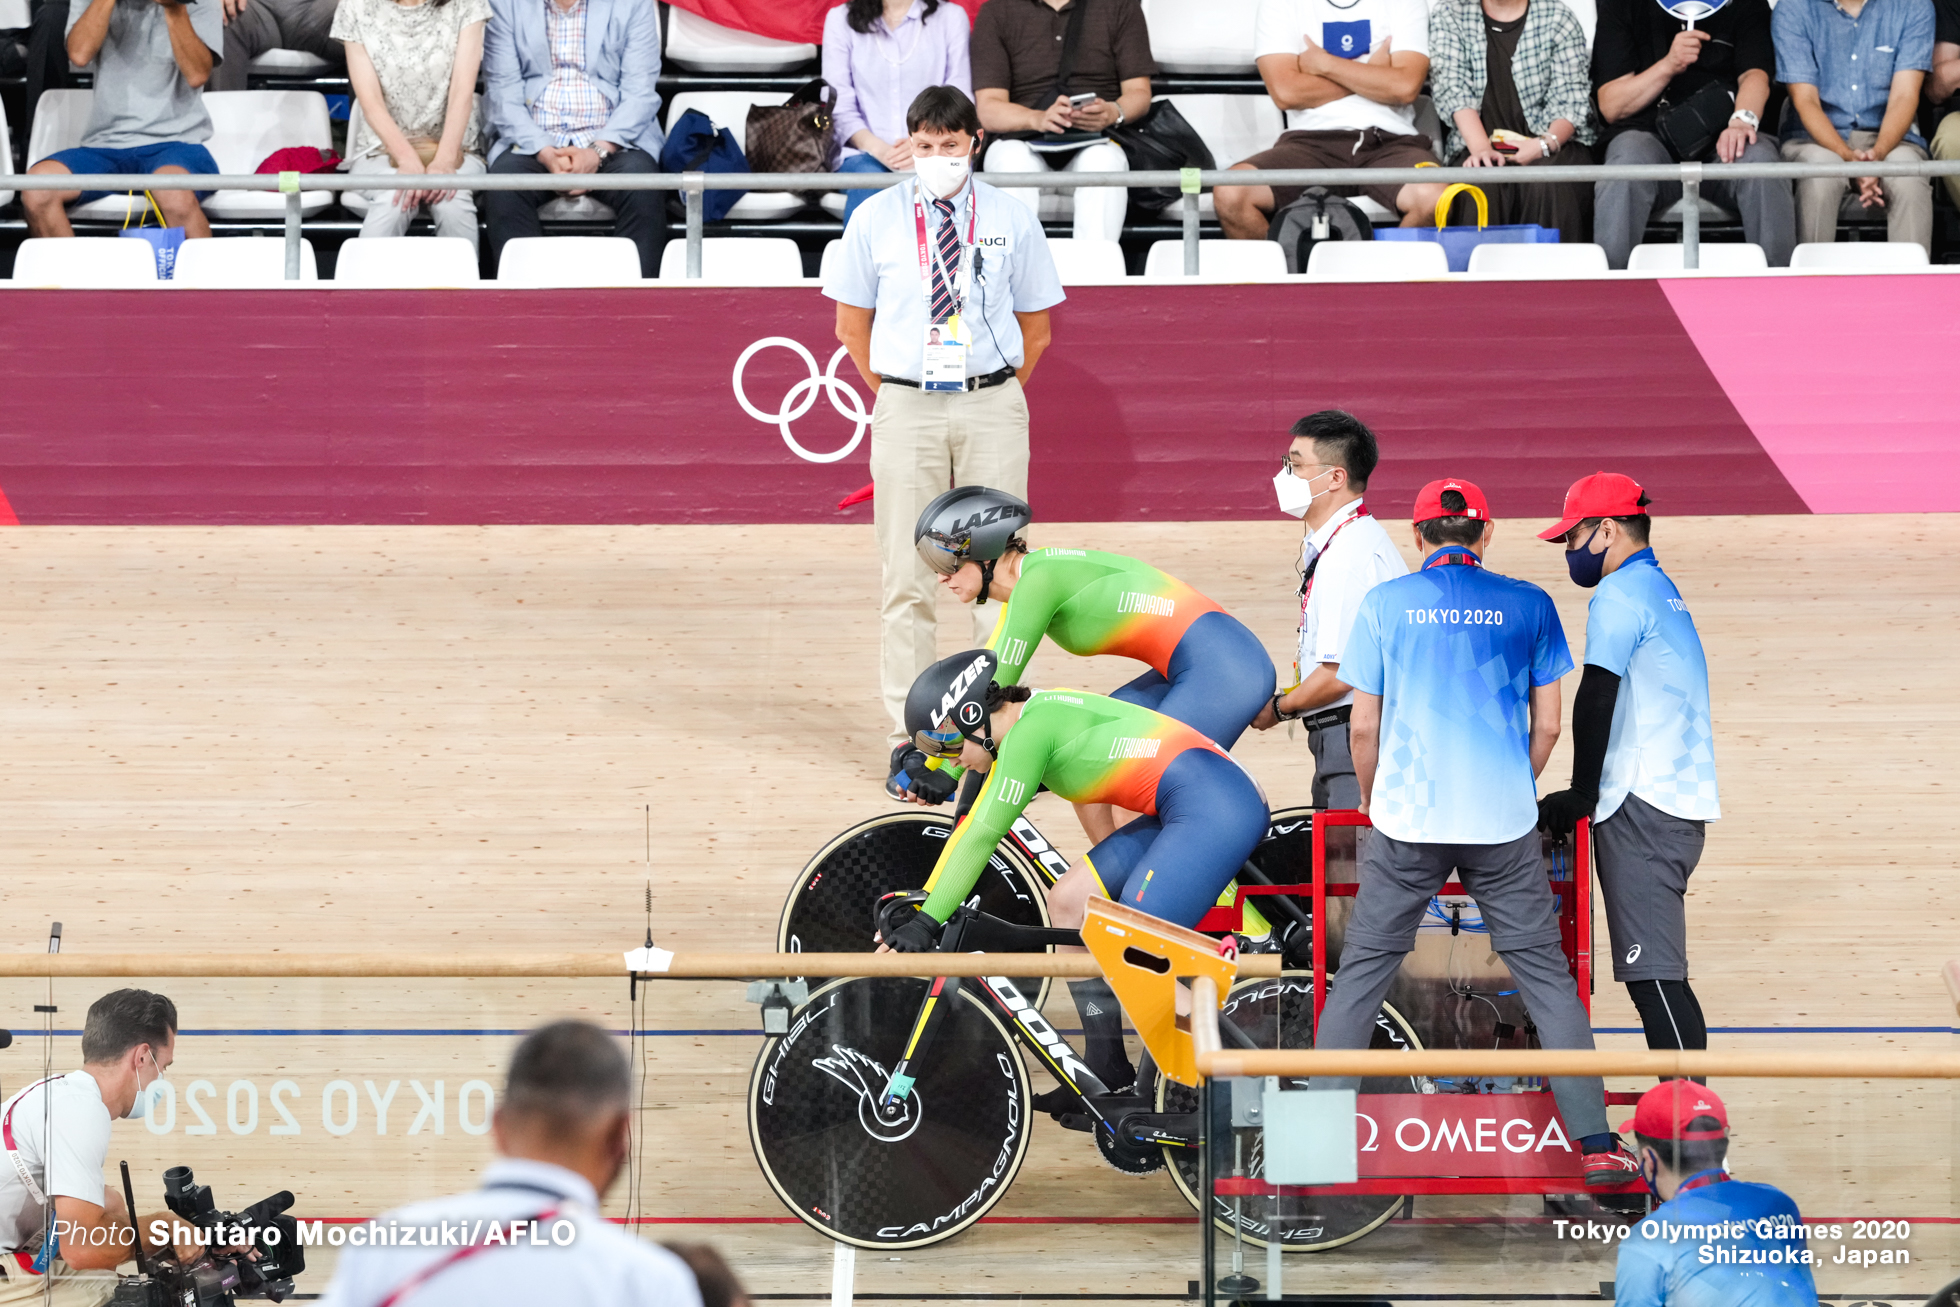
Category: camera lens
<point>176,1180</point>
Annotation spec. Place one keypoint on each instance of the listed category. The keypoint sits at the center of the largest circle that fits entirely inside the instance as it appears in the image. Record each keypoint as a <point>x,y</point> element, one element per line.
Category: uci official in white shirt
<point>939,253</point>
<point>1346,554</point>
<point>535,1233</point>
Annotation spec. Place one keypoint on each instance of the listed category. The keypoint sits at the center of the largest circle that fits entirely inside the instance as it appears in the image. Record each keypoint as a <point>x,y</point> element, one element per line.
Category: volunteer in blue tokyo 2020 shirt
<point>1714,1241</point>
<point>1643,750</point>
<point>1456,707</point>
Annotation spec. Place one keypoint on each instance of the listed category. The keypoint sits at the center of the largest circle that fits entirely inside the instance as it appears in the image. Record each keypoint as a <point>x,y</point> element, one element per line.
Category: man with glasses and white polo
<point>1346,554</point>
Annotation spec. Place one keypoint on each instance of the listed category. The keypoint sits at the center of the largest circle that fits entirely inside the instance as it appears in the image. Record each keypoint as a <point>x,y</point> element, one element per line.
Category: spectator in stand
<point>1033,120</point>
<point>1943,85</point>
<point>253,27</point>
<point>1644,62</point>
<point>1516,66</point>
<point>150,62</point>
<point>413,66</point>
<point>569,88</point>
<point>1854,69</point>
<point>878,55</point>
<point>1347,77</point>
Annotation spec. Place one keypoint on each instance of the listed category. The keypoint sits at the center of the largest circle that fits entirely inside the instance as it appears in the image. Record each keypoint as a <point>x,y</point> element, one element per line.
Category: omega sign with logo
<point>1462,1134</point>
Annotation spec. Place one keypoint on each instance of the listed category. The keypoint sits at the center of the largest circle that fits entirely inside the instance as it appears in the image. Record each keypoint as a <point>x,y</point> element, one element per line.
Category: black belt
<point>972,383</point>
<point>1320,721</point>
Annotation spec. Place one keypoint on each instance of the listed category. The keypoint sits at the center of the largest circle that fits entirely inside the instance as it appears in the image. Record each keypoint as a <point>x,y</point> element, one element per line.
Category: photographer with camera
<point>63,1230</point>
<point>563,1132</point>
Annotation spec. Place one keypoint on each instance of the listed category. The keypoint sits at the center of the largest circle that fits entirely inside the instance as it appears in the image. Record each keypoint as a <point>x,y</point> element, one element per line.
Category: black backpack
<point>1315,217</point>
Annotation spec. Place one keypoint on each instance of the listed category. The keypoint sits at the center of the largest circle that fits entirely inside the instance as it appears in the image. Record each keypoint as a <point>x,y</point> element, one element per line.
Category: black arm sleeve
<point>1592,723</point>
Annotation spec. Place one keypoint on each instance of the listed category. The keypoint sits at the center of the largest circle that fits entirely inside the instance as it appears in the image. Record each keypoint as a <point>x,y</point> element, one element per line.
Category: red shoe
<point>1609,1170</point>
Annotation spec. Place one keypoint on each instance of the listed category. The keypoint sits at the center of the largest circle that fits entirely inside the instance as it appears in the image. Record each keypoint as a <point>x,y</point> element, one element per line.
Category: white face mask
<point>147,1096</point>
<point>1296,496</point>
<point>942,174</point>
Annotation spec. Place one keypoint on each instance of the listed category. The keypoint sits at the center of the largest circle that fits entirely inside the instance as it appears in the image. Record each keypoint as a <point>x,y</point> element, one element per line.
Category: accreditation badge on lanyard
<point>947,341</point>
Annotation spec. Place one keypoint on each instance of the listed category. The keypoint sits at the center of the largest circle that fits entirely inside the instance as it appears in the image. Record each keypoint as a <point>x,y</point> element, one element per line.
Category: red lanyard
<point>443,1263</point>
<point>1306,582</point>
<point>13,1150</point>
<point>926,249</point>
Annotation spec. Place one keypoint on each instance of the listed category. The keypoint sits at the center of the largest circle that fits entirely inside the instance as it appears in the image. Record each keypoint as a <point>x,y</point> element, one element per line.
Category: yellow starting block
<point>1144,959</point>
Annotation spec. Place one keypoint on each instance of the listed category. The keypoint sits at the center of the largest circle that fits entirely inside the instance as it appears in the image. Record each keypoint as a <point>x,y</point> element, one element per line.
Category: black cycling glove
<point>1592,725</point>
<point>1559,812</point>
<point>918,934</point>
<point>910,775</point>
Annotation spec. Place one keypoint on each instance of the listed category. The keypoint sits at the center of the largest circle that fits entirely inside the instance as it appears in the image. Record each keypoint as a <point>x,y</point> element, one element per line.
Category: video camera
<point>218,1275</point>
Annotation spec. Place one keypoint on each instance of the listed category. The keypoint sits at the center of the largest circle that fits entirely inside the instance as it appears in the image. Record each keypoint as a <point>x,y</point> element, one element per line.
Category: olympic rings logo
<point>803,396</point>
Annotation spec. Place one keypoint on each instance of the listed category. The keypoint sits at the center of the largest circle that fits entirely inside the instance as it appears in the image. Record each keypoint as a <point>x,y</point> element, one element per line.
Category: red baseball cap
<point>1429,500</point>
<point>1603,494</point>
<point>1665,1111</point>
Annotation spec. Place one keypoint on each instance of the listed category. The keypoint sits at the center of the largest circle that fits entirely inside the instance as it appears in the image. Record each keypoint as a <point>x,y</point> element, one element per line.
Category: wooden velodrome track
<point>317,739</point>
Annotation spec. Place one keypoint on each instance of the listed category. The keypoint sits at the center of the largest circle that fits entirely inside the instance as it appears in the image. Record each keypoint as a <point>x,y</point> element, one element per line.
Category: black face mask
<point>1585,566</point>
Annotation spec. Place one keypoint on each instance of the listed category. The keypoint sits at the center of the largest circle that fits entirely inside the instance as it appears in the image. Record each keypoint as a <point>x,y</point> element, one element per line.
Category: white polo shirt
<point>69,1110</point>
<point>1355,555</point>
<point>593,1262</point>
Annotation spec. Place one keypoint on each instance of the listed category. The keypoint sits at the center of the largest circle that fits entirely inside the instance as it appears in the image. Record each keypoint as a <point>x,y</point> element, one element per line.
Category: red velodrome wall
<point>1749,395</point>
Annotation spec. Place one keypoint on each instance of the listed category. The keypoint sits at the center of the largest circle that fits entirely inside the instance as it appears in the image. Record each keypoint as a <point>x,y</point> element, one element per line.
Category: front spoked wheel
<point>915,1173</point>
<point>829,909</point>
<point>1279,1014</point>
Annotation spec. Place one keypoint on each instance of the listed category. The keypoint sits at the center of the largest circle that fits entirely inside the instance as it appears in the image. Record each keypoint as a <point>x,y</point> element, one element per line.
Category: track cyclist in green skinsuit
<point>1202,813</point>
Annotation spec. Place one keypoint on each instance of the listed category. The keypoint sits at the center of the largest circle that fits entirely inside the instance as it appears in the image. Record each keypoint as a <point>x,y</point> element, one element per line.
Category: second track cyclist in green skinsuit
<point>1207,669</point>
<point>1203,814</point>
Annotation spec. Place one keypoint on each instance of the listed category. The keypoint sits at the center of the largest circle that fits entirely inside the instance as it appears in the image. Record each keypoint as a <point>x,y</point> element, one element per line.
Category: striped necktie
<point>949,260</point>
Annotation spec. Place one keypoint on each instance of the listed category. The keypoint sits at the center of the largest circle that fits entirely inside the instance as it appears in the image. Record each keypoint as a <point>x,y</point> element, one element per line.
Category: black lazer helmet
<point>969,524</point>
<point>951,701</point>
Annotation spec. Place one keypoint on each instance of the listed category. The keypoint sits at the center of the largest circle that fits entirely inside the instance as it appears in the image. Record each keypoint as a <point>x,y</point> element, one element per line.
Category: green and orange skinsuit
<point>1090,602</point>
<point>1084,747</point>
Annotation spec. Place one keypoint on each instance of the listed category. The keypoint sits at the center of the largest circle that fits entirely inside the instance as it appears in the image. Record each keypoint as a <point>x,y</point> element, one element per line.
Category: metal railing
<point>694,186</point>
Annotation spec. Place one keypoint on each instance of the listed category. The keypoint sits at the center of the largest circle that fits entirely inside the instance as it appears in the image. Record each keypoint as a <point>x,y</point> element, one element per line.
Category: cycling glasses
<point>939,744</point>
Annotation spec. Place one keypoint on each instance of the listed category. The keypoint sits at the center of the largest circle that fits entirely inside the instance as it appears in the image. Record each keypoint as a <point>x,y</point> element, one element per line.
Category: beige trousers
<point>1946,145</point>
<point>1908,200</point>
<point>921,446</point>
<point>70,1288</point>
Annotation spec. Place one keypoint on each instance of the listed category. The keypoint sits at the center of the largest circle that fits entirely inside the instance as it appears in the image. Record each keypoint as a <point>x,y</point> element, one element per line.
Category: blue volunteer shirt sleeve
<point>1613,630</point>
<point>1361,661</point>
<point>1550,658</point>
<point>1640,1275</point>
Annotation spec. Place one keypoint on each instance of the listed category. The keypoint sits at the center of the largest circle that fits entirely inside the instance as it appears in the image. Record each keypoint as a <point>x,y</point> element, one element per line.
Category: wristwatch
<point>600,148</point>
<point>1120,120</point>
<point>1748,116</point>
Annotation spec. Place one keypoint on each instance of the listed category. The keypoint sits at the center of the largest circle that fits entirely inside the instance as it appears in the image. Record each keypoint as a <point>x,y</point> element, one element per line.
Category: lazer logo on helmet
<point>961,684</point>
<point>991,516</point>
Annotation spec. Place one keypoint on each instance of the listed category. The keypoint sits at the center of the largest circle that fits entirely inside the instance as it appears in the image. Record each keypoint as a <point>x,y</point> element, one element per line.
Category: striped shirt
<point>571,108</point>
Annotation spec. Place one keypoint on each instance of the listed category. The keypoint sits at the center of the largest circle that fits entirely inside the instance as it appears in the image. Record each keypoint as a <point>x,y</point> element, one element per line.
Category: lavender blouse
<point>878,73</point>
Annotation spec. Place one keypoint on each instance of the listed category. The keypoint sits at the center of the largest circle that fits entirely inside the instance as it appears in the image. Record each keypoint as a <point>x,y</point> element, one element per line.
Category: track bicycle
<point>869,1165</point>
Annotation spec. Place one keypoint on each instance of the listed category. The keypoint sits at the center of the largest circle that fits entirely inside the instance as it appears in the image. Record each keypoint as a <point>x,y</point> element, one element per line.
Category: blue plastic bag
<point>693,145</point>
<point>164,241</point>
<point>1457,242</point>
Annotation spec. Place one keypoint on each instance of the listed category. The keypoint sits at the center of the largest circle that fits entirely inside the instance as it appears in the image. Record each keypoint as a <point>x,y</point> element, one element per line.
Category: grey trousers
<point>1334,785</point>
<point>275,25</point>
<point>1908,200</point>
<point>1621,209</point>
<point>1508,882</point>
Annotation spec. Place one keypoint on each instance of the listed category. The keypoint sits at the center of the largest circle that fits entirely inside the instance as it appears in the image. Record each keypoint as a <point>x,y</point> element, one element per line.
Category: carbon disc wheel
<point>829,909</point>
<point>916,1174</point>
<point>1279,1014</point>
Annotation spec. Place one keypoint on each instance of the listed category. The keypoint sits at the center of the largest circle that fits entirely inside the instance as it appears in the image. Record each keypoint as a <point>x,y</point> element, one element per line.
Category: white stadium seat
<point>1538,260</point>
<point>1718,257</point>
<point>6,153</point>
<point>730,109</point>
<point>246,127</point>
<point>830,250</point>
<point>1237,260</point>
<point>1088,262</point>
<point>1233,128</point>
<point>1376,260</point>
<point>737,260</point>
<point>1201,36</point>
<point>569,261</point>
<point>1587,12</point>
<point>15,14</point>
<point>694,42</point>
<point>289,63</point>
<point>85,262</point>
<point>1867,255</point>
<point>406,262</point>
<point>237,261</point>
<point>60,116</point>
